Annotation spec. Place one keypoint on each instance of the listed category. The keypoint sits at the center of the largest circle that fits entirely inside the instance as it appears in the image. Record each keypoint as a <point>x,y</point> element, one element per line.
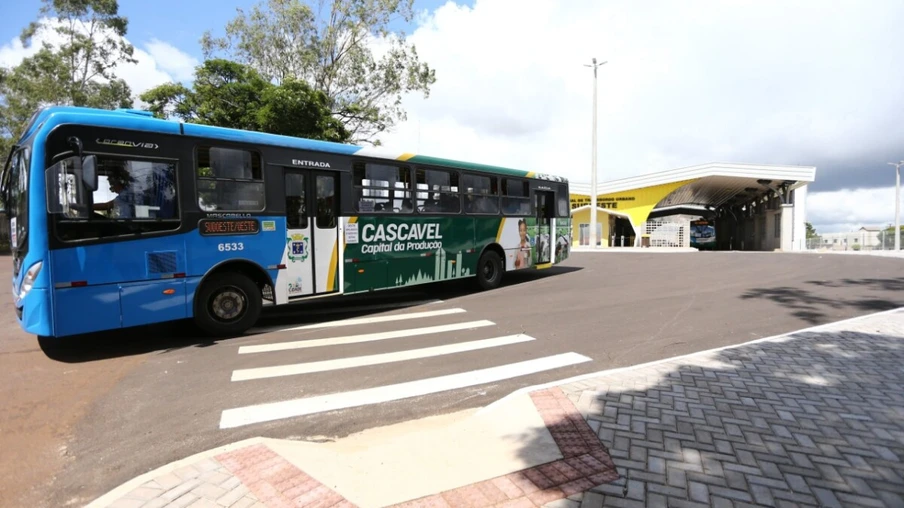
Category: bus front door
<point>545,207</point>
<point>312,233</point>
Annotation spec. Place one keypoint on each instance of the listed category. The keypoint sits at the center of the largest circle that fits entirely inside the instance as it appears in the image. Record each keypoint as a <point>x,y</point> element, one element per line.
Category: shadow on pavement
<point>183,334</point>
<point>878,284</point>
<point>812,306</point>
<point>817,420</point>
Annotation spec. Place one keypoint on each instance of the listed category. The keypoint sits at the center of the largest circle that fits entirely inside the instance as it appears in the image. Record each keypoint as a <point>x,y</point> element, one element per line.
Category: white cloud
<point>160,63</point>
<point>171,59</point>
<point>849,210</point>
<point>805,82</point>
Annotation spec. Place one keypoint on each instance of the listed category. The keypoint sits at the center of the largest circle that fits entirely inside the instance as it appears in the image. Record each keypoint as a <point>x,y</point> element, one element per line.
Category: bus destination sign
<point>212,227</point>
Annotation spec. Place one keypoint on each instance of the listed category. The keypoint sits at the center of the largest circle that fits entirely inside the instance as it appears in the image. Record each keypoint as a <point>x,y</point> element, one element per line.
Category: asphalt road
<point>125,403</point>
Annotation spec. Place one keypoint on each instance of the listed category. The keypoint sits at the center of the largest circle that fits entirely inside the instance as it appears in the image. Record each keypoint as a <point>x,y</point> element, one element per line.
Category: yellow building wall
<point>636,204</point>
<point>583,217</point>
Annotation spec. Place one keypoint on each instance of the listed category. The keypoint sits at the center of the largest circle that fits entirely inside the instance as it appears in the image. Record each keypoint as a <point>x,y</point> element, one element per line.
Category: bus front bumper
<point>33,312</point>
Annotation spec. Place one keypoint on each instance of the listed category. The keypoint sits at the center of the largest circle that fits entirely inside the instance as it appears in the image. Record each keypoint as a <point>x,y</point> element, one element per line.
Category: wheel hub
<point>228,304</point>
<point>488,270</point>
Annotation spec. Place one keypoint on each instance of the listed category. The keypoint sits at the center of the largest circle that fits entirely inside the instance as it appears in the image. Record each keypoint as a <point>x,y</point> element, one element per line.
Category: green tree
<point>332,49</point>
<point>887,237</point>
<point>229,94</point>
<point>78,71</point>
<point>811,231</point>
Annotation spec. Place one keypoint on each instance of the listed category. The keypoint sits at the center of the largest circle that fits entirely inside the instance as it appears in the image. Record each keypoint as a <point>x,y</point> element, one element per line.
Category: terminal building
<point>716,206</point>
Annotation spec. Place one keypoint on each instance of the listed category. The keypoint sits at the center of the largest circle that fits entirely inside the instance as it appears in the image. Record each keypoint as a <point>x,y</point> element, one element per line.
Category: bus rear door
<point>312,233</point>
<point>546,202</point>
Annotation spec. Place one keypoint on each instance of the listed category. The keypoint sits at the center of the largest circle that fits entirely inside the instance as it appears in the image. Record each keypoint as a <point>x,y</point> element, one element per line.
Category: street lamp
<point>897,166</point>
<point>593,164</point>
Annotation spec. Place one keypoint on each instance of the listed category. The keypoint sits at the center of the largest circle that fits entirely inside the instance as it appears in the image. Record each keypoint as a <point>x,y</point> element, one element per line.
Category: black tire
<point>220,296</point>
<point>489,270</point>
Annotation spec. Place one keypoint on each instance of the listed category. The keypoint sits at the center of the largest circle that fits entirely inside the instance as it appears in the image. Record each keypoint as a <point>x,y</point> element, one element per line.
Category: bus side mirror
<point>89,172</point>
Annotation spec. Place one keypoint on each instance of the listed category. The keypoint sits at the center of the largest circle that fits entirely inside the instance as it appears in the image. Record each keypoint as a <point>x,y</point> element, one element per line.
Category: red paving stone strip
<point>586,464</point>
<point>276,482</point>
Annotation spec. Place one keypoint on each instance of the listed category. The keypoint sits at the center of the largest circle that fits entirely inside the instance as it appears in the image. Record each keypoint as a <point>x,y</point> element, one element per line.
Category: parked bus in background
<point>119,219</point>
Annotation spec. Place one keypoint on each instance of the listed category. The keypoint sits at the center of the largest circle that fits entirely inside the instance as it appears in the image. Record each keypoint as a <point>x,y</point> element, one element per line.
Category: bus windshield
<point>127,189</point>
<point>16,197</point>
<point>133,196</point>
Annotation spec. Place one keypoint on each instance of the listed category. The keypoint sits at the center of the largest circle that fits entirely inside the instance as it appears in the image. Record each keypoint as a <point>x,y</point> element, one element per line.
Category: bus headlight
<point>29,280</point>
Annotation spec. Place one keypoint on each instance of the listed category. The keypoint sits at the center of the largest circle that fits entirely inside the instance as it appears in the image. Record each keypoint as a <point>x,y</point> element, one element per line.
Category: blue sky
<point>178,22</point>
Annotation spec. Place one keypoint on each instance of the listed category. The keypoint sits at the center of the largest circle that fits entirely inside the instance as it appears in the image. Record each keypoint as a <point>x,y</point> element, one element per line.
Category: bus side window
<point>481,194</point>
<point>437,191</point>
<point>382,188</point>
<point>229,180</point>
<point>326,201</point>
<point>515,197</point>
<point>296,213</point>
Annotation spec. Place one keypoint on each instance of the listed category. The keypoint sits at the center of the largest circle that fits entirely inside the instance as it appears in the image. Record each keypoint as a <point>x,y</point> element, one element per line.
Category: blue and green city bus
<point>119,219</point>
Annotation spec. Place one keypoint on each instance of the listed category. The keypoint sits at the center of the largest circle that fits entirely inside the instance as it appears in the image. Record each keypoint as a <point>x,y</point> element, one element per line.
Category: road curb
<point>276,472</point>
<point>124,488</point>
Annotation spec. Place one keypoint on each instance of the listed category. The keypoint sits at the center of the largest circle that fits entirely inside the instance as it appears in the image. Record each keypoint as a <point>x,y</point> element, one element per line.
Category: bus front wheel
<point>489,270</point>
<point>227,304</point>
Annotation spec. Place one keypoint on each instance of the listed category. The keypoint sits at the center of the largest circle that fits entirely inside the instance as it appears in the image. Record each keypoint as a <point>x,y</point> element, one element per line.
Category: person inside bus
<point>122,204</point>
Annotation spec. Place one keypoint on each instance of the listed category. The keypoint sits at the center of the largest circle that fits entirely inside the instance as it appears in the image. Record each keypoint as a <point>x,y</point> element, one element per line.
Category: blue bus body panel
<point>37,305</point>
<point>86,309</point>
<point>123,274</point>
<point>148,302</point>
<point>128,278</point>
<point>36,310</point>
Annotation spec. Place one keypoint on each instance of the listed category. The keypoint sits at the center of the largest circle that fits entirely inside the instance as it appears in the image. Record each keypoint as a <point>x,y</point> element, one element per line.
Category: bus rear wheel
<point>227,304</point>
<point>489,270</point>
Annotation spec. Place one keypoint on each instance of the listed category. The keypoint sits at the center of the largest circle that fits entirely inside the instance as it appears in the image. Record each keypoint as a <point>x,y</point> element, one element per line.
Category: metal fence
<point>883,242</point>
<point>666,233</point>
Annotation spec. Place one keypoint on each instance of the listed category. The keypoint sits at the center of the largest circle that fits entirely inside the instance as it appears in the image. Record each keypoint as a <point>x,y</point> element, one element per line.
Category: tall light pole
<point>593,163</point>
<point>897,166</point>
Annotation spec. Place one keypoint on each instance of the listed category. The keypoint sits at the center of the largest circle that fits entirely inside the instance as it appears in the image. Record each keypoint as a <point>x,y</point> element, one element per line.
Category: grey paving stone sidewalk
<point>812,419</point>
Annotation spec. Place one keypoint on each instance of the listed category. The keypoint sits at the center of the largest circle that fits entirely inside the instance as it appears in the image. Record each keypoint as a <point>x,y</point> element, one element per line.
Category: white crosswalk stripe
<point>397,389</point>
<point>365,337</point>
<point>300,407</point>
<point>360,361</point>
<point>374,320</point>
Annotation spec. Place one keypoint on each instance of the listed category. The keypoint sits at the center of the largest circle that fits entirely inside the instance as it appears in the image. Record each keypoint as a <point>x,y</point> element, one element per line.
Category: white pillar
<point>593,189</point>
<point>787,222</point>
<point>897,208</point>
<point>800,218</point>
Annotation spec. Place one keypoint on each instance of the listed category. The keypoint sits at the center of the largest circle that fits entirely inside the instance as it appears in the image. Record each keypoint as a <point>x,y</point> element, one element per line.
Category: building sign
<point>601,201</point>
<point>213,227</point>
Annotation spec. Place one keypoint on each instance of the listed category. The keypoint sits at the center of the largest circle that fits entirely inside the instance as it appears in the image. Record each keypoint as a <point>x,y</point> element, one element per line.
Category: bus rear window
<point>230,180</point>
